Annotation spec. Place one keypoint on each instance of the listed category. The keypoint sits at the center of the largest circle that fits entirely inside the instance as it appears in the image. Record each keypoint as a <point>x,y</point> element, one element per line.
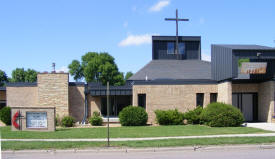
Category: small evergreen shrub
<point>193,116</point>
<point>67,121</point>
<point>221,115</point>
<point>96,119</point>
<point>133,116</point>
<point>5,115</point>
<point>169,117</point>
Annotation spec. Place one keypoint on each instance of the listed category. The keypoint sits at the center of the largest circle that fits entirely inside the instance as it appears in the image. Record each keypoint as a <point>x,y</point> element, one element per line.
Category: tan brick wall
<point>2,95</point>
<point>181,97</point>
<point>266,101</point>
<point>245,88</point>
<point>225,92</point>
<point>76,102</point>
<point>23,110</point>
<point>94,104</point>
<point>21,96</point>
<point>53,90</point>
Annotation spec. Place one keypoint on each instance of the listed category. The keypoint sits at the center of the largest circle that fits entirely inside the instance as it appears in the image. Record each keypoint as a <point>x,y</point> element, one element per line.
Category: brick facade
<point>225,92</point>
<point>2,95</point>
<point>21,96</point>
<point>53,90</point>
<point>76,102</point>
<point>181,97</point>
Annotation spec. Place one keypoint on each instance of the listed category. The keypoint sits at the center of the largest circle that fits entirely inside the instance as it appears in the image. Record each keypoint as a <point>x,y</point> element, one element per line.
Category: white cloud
<point>205,57</point>
<point>136,40</point>
<point>63,69</point>
<point>158,6</point>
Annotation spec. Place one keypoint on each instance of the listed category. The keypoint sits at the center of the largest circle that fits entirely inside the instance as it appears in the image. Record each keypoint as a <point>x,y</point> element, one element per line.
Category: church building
<point>242,75</point>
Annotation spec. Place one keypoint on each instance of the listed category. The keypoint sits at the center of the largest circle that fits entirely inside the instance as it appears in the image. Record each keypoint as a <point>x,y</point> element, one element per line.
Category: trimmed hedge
<point>96,119</point>
<point>5,115</point>
<point>133,116</point>
<point>193,116</point>
<point>169,117</point>
<point>221,115</point>
<point>67,121</point>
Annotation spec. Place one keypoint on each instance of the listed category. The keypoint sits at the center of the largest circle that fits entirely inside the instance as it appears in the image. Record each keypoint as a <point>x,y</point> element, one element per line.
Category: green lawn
<point>15,145</point>
<point>127,132</point>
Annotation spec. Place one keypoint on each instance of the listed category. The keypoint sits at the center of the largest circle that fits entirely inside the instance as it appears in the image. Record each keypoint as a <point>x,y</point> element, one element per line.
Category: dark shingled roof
<point>245,47</point>
<point>174,69</point>
<point>21,84</point>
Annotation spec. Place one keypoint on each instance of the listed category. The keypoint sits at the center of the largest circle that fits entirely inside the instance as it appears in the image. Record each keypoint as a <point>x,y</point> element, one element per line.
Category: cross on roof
<point>177,20</point>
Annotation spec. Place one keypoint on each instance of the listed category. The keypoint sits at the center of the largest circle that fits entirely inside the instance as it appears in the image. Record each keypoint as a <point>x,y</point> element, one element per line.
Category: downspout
<point>85,105</point>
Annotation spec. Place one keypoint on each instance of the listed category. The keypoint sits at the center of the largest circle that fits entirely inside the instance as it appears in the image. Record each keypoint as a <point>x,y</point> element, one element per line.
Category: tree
<point>128,75</point>
<point>20,75</point>
<point>76,70</point>
<point>3,78</point>
<point>30,75</point>
<point>97,67</point>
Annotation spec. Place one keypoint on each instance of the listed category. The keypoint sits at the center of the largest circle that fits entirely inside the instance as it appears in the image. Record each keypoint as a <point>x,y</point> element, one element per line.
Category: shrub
<point>193,116</point>
<point>67,121</point>
<point>133,116</point>
<point>5,115</point>
<point>221,115</point>
<point>96,119</point>
<point>169,117</point>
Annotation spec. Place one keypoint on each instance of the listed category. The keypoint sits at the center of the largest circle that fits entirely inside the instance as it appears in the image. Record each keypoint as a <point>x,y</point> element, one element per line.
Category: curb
<point>151,149</point>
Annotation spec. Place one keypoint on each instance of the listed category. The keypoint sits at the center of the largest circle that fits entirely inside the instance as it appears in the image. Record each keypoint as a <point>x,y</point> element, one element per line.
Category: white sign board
<point>253,67</point>
<point>37,120</point>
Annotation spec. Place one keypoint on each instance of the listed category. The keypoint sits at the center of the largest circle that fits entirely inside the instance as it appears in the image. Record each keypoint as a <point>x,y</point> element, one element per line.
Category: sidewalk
<point>150,138</point>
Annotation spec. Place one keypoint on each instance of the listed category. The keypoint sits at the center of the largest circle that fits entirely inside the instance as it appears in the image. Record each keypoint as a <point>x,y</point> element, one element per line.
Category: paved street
<point>250,152</point>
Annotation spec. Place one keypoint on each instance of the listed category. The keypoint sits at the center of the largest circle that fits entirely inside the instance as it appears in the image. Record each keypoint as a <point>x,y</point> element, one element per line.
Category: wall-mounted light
<point>259,54</point>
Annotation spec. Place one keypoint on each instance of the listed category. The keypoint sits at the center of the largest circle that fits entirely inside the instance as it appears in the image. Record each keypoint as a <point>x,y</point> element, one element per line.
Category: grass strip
<point>14,145</point>
<point>128,132</point>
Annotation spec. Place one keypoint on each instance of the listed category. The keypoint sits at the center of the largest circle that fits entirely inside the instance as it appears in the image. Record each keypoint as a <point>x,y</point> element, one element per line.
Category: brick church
<point>169,81</point>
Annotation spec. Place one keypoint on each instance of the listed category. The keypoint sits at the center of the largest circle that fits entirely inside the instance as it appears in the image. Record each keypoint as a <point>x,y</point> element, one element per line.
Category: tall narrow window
<point>213,97</point>
<point>170,48</point>
<point>182,48</point>
<point>200,98</point>
<point>142,100</point>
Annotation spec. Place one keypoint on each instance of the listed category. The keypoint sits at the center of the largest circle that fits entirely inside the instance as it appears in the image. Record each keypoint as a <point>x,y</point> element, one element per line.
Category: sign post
<point>108,113</point>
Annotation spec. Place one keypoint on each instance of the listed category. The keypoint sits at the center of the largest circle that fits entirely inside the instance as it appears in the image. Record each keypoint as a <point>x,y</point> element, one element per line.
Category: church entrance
<point>117,103</point>
<point>248,104</point>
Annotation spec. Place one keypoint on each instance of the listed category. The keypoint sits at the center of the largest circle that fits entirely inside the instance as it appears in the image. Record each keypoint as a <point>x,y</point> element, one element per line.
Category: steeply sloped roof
<point>174,69</point>
<point>245,47</point>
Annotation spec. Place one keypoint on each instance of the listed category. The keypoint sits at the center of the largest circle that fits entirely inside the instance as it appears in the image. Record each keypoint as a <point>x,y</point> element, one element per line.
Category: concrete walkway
<point>150,138</point>
<point>262,125</point>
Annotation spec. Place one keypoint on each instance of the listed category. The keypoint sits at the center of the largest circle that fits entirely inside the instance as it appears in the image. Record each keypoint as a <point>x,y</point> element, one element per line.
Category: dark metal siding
<point>221,63</point>
<point>192,48</point>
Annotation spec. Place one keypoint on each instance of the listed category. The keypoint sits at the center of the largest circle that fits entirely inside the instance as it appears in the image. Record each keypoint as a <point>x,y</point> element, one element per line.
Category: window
<point>213,97</point>
<point>142,100</point>
<point>2,104</point>
<point>170,48</point>
<point>200,98</point>
<point>181,48</point>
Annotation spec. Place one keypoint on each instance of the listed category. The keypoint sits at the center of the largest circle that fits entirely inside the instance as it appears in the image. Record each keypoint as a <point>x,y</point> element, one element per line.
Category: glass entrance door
<point>247,103</point>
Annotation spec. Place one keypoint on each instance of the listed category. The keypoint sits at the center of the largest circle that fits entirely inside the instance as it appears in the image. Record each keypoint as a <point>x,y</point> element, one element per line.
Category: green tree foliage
<point>97,67</point>
<point>30,75</point>
<point>76,70</point>
<point>128,75</point>
<point>20,75</point>
<point>3,78</point>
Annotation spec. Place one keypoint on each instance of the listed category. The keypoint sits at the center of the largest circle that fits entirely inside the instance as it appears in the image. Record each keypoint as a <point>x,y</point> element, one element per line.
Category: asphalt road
<point>214,153</point>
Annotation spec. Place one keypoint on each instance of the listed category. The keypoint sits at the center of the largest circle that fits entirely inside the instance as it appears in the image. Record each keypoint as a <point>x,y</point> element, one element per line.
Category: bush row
<point>214,115</point>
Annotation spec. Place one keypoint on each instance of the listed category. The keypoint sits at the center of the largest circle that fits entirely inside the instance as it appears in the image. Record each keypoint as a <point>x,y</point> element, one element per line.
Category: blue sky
<point>33,34</point>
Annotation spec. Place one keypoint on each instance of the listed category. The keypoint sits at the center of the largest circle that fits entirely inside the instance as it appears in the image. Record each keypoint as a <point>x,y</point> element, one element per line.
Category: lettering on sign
<point>37,120</point>
<point>253,67</point>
